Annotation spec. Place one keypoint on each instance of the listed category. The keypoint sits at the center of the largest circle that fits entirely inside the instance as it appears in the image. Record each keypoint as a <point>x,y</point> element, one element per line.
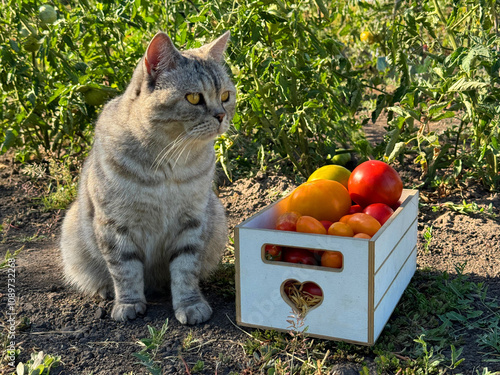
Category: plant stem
<point>441,16</point>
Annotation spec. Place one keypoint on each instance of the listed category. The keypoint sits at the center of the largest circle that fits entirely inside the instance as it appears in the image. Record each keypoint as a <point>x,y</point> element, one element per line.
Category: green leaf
<point>9,141</point>
<point>464,85</point>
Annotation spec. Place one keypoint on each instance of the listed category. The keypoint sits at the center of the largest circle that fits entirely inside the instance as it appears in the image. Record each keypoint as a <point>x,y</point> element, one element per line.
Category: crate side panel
<point>266,218</point>
<point>389,270</point>
<point>397,226</point>
<point>345,293</point>
<point>385,308</point>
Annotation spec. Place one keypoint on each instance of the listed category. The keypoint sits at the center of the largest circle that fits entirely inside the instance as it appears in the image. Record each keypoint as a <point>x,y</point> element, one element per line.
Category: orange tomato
<point>363,223</point>
<point>332,259</point>
<point>321,199</point>
<point>344,218</point>
<point>308,224</point>
<point>362,235</point>
<point>340,229</point>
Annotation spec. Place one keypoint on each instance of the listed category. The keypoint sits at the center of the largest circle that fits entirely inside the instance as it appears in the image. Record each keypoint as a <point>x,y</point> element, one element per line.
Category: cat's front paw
<point>127,311</point>
<point>193,312</point>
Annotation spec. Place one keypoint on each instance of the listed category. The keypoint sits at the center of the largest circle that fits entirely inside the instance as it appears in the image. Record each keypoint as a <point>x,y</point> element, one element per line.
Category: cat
<point>146,215</point>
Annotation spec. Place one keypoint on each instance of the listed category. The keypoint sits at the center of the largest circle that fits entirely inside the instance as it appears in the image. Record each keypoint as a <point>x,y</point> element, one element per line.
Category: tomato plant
<point>321,199</point>
<point>375,182</point>
<point>296,255</point>
<point>379,211</point>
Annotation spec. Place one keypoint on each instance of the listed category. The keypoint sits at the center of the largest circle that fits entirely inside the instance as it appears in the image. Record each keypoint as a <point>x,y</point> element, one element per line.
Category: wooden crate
<point>357,299</point>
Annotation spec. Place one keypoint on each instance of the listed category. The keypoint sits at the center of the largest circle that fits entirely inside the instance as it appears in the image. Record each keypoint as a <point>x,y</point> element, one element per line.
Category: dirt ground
<point>62,322</point>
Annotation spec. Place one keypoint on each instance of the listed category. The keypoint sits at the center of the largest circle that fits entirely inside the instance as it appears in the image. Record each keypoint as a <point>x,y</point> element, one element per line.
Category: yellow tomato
<point>321,199</point>
<point>367,37</point>
<point>331,172</point>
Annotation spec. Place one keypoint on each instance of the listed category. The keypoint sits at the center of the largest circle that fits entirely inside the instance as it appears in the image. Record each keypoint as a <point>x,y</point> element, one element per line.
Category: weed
<point>189,340</point>
<point>467,208</point>
<point>222,280</point>
<point>62,188</point>
<point>39,364</point>
<point>198,366</point>
<point>9,258</point>
<point>491,339</point>
<point>151,345</point>
<point>427,237</point>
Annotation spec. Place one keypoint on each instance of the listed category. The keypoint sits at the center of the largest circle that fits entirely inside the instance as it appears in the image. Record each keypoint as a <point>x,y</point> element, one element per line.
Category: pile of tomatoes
<point>326,206</point>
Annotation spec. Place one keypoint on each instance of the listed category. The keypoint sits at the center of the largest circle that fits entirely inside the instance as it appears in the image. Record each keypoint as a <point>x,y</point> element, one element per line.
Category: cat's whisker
<point>166,149</point>
<point>169,149</point>
<point>188,143</point>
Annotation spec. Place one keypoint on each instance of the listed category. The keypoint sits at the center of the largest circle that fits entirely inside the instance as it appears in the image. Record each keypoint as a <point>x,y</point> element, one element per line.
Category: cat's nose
<point>220,116</point>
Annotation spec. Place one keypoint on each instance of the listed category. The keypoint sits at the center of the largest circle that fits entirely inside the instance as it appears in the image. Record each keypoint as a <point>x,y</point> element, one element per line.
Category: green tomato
<point>95,97</point>
<point>48,14</point>
<point>31,44</point>
<point>24,31</point>
<point>341,159</point>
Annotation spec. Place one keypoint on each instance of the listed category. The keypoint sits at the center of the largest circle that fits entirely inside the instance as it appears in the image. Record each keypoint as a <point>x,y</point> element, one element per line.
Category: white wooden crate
<point>358,299</point>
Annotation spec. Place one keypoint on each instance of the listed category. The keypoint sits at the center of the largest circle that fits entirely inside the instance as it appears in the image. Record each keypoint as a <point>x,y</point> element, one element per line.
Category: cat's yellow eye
<point>193,98</point>
<point>225,96</point>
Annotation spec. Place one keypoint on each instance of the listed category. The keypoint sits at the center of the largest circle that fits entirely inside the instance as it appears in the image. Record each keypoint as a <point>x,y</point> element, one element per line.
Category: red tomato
<point>301,256</point>
<point>355,208</point>
<point>308,224</point>
<point>272,252</point>
<point>379,211</point>
<point>321,199</point>
<point>332,259</point>
<point>287,221</point>
<point>312,289</point>
<point>326,223</point>
<point>396,205</point>
<point>374,182</point>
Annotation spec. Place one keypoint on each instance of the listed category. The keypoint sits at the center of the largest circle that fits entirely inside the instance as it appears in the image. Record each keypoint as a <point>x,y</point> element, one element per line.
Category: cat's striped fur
<point>146,215</point>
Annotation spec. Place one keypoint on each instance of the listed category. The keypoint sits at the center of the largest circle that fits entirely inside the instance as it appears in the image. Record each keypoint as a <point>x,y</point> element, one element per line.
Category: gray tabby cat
<point>146,214</point>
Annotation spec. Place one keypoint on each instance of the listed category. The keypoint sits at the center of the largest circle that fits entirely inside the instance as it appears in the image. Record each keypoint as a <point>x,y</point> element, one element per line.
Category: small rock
<point>100,313</point>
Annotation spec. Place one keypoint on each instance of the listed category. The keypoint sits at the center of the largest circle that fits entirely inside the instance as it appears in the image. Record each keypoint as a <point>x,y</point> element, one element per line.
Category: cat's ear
<point>161,54</point>
<point>216,49</point>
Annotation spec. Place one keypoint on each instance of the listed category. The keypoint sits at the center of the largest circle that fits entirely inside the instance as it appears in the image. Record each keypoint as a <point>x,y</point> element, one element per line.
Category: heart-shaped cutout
<point>302,297</point>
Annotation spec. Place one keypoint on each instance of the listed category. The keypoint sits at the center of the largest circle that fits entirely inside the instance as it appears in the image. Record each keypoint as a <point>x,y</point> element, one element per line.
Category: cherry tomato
<point>287,221</point>
<point>375,182</point>
<point>340,229</point>
<point>367,37</point>
<point>326,223</point>
<point>272,252</point>
<point>308,224</point>
<point>362,235</point>
<point>379,211</point>
<point>355,208</point>
<point>296,255</point>
<point>321,199</point>
<point>363,223</point>
<point>332,259</point>
<point>312,289</point>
